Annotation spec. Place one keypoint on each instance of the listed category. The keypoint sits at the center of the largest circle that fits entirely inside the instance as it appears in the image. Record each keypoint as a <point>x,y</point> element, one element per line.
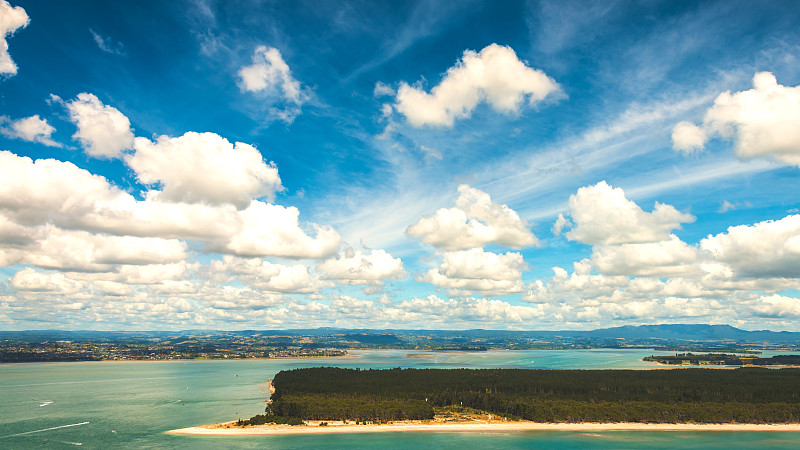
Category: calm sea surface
<point>131,404</point>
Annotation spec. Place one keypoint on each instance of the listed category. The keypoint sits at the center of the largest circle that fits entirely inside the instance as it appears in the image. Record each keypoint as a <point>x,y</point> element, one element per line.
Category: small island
<point>328,399</point>
<point>722,359</point>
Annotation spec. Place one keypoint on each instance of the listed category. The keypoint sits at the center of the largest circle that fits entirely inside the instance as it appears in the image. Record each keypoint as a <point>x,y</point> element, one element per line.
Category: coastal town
<point>198,348</point>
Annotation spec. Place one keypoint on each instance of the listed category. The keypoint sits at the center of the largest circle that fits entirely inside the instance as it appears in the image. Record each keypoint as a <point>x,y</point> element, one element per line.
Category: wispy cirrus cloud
<point>106,44</point>
<point>271,77</point>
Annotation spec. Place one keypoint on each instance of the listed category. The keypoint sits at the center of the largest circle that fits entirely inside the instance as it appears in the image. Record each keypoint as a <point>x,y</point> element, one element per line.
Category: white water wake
<point>44,429</point>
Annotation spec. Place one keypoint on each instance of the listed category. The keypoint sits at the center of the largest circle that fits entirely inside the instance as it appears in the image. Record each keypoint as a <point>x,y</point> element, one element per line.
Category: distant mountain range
<point>699,332</point>
<point>674,333</point>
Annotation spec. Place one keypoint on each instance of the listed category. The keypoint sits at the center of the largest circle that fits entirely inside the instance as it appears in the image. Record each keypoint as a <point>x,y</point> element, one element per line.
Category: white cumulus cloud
<point>665,258</point>
<point>31,129</point>
<point>474,222</point>
<point>461,313</point>
<point>28,279</point>
<point>61,194</point>
<point>264,275</point>
<point>12,18</point>
<point>54,248</point>
<point>204,167</point>
<point>103,131</point>
<point>560,224</point>
<point>688,137</point>
<point>477,270</point>
<point>777,306</point>
<point>765,249</point>
<point>581,284</point>
<point>761,121</point>
<point>603,215</point>
<point>357,267</point>
<point>494,75</point>
<point>32,193</point>
<point>274,230</point>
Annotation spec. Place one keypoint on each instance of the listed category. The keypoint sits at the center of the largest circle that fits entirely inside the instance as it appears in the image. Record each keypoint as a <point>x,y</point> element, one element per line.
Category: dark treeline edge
<point>746,395</point>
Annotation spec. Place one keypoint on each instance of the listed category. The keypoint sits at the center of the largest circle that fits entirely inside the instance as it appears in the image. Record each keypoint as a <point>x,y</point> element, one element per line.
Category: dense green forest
<point>262,419</point>
<point>745,395</point>
<point>721,359</point>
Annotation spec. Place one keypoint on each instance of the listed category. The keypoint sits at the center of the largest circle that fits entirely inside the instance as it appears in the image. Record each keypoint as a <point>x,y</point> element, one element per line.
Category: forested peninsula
<point>742,396</point>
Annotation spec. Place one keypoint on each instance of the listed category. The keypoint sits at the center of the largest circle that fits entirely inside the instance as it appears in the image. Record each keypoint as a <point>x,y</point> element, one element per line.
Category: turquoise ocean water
<point>130,404</point>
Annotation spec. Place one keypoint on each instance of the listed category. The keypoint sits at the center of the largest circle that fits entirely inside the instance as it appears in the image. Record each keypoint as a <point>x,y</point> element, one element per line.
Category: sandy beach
<point>228,429</point>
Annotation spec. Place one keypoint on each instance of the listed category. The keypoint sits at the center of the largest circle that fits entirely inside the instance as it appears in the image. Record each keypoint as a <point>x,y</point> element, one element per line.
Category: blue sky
<point>505,165</point>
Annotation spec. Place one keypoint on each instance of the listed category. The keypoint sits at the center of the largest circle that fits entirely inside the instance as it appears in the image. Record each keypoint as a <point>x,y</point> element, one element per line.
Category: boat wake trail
<point>44,429</point>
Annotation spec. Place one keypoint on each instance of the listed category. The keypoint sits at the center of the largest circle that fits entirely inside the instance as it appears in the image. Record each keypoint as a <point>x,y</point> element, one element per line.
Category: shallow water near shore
<point>132,404</point>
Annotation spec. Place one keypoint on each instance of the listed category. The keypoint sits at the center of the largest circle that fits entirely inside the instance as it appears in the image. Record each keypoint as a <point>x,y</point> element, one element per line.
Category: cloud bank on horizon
<point>398,172</point>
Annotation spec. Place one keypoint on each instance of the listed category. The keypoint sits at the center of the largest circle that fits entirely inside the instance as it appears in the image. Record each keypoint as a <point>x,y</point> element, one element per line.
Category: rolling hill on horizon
<point>667,333</point>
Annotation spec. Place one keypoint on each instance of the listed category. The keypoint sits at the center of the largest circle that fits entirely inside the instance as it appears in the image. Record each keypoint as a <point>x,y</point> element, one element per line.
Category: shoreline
<point>173,360</point>
<point>225,429</point>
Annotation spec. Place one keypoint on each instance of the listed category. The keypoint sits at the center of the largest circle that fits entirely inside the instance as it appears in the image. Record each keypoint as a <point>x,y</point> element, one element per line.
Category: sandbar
<point>230,429</point>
